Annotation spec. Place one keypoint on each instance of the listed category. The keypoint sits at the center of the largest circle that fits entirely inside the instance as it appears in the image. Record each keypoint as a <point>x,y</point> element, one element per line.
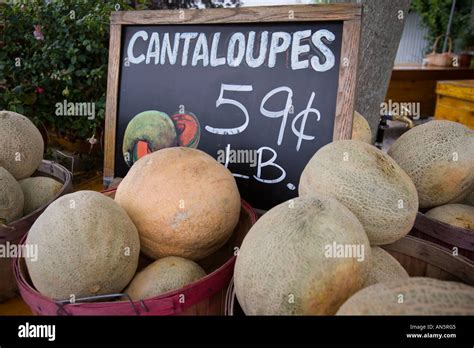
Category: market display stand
<point>417,84</point>
<point>455,101</point>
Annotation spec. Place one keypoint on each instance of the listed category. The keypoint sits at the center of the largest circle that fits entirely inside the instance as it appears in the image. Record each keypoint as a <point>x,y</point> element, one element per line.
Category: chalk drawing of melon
<point>147,132</point>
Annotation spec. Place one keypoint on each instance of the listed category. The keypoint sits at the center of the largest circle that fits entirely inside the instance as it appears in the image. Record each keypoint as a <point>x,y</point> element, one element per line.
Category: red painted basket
<point>204,297</point>
<point>14,231</point>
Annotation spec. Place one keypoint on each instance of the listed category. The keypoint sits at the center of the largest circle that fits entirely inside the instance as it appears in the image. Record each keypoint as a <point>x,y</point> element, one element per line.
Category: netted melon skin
<point>369,183</point>
<point>458,215</point>
<point>383,267</point>
<point>361,129</point>
<point>38,191</point>
<point>87,245</point>
<point>412,296</point>
<point>439,158</point>
<point>164,275</point>
<point>282,268</point>
<point>11,198</point>
<point>21,145</point>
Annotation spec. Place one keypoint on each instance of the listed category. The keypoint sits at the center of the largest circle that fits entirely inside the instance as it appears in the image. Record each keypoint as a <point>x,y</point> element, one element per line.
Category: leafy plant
<point>54,51</point>
<point>435,16</point>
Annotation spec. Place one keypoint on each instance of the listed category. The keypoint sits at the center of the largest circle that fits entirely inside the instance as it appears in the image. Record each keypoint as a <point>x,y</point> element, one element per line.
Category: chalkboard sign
<point>260,89</point>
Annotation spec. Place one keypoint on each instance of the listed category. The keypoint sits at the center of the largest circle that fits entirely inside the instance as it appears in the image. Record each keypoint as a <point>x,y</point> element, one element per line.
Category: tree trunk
<point>382,27</point>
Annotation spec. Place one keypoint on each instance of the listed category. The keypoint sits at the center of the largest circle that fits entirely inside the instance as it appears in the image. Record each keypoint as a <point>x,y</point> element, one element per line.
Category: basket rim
<point>457,236</point>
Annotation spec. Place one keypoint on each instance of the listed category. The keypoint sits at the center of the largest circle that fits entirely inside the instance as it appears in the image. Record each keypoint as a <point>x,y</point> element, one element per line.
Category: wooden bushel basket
<point>420,258</point>
<point>444,59</point>
<point>14,231</point>
<point>445,235</point>
<point>203,297</point>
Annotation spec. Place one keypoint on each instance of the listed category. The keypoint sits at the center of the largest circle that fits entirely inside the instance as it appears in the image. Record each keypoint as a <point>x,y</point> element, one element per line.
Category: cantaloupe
<point>38,191</point>
<point>11,198</point>
<point>164,275</point>
<point>459,215</point>
<point>361,129</point>
<point>87,245</point>
<point>412,296</point>
<point>439,157</point>
<point>303,257</point>
<point>369,183</point>
<point>383,267</point>
<point>21,145</point>
<point>183,202</point>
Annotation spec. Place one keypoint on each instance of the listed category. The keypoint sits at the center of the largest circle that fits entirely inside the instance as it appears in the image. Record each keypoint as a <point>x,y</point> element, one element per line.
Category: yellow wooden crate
<point>455,101</point>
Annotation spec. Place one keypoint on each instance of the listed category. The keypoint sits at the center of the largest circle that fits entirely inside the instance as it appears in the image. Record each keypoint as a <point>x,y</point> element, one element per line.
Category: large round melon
<point>21,145</point>
<point>38,191</point>
<point>369,183</point>
<point>183,202</point>
<point>383,267</point>
<point>412,296</point>
<point>290,262</point>
<point>361,129</point>
<point>11,198</point>
<point>164,275</point>
<point>439,157</point>
<point>458,215</point>
<point>87,245</point>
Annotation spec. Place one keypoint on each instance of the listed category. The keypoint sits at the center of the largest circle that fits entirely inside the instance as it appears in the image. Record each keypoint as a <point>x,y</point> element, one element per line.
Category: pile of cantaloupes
<point>316,254</point>
<point>176,205</point>
<point>21,153</point>
<point>320,254</point>
<point>439,158</point>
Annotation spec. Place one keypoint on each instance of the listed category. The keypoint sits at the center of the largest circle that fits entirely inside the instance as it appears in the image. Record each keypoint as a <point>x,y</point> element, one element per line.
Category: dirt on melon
<point>383,267</point>
<point>289,262</point>
<point>361,129</point>
<point>458,215</point>
<point>21,145</point>
<point>369,183</point>
<point>164,275</point>
<point>11,198</point>
<point>412,296</point>
<point>439,158</point>
<point>87,245</point>
<point>38,192</point>
<point>183,202</point>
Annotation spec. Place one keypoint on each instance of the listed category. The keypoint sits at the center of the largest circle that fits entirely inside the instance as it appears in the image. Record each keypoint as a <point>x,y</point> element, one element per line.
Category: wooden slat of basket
<point>432,254</point>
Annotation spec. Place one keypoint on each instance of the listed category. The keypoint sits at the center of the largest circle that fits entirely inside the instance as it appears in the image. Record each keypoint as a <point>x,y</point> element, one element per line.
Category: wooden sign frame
<point>349,14</point>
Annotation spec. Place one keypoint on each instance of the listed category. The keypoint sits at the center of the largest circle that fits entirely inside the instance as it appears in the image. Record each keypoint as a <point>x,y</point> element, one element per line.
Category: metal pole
<point>448,30</point>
